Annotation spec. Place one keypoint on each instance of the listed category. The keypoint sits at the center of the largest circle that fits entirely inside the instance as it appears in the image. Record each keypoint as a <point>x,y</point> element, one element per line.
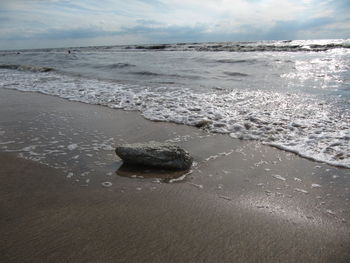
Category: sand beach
<point>241,202</point>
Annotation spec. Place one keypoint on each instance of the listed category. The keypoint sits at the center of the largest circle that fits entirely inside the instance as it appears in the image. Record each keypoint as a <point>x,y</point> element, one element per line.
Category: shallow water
<point>292,95</point>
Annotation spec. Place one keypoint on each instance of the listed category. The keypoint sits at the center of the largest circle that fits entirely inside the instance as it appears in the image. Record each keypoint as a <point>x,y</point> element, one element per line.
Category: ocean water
<point>294,95</point>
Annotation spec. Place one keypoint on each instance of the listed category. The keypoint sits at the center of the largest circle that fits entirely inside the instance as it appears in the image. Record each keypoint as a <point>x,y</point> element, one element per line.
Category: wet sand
<point>243,201</point>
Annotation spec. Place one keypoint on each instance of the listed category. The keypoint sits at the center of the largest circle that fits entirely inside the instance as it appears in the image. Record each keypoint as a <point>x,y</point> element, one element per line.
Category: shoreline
<point>233,207</point>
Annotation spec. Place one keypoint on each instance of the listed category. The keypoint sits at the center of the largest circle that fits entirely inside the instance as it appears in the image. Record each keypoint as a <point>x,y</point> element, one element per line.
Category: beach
<point>242,201</point>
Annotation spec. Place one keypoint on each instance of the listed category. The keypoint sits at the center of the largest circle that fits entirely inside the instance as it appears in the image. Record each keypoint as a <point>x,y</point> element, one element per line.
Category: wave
<point>236,61</point>
<point>115,66</point>
<point>150,47</point>
<point>146,73</point>
<point>235,74</point>
<point>31,68</point>
<point>154,74</point>
<point>40,69</point>
<point>300,123</point>
<point>262,46</point>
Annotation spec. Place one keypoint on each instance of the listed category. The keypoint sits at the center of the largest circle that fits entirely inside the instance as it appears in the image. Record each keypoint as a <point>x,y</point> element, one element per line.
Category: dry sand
<point>243,201</point>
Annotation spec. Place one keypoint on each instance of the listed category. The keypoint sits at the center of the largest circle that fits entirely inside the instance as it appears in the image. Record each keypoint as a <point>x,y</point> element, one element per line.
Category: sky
<point>69,23</point>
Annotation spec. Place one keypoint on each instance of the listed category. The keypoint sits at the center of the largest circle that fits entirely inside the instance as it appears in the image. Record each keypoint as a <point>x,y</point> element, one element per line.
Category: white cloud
<point>30,18</point>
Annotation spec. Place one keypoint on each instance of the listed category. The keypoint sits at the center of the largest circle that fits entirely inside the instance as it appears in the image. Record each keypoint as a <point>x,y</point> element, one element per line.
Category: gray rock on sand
<point>155,154</point>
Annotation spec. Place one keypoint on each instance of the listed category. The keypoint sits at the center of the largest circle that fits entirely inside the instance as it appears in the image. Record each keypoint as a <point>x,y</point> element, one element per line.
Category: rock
<point>161,155</point>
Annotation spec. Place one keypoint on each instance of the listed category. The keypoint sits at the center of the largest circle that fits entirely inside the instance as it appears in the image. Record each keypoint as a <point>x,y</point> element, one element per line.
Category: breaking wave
<point>300,123</point>
<point>261,46</point>
<point>26,68</point>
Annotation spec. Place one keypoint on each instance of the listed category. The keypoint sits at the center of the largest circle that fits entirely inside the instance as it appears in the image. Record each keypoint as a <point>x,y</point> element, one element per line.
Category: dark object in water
<point>155,154</point>
<point>203,123</point>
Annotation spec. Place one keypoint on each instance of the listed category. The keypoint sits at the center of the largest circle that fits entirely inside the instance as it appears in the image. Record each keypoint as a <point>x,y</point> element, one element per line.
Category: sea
<point>293,95</point>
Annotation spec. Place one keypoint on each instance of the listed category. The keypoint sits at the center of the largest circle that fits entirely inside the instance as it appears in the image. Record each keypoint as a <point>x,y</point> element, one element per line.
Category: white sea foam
<point>302,124</point>
<point>8,142</point>
<point>72,147</point>
<point>301,190</point>
<point>106,184</point>
<point>181,178</point>
<point>330,212</point>
<point>200,186</point>
<point>277,176</point>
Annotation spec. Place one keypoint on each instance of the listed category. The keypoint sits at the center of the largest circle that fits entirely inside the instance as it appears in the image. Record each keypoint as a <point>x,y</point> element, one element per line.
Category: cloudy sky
<point>65,23</point>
